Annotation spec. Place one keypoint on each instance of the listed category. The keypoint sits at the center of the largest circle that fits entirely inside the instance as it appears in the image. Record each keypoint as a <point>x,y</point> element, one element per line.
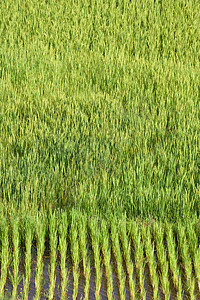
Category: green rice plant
<point>29,234</point>
<point>82,225</point>
<point>193,244</point>
<point>197,254</point>
<point>191,238</point>
<point>74,247</point>
<point>158,232</point>
<point>126,248</point>
<point>49,160</point>
<point>173,259</point>
<point>197,265</point>
<point>118,258</point>
<point>186,260</point>
<point>173,256</point>
<point>53,252</point>
<point>41,227</point>
<point>149,250</point>
<point>106,251</point>
<point>63,229</point>
<point>15,278</point>
<point>138,253</point>
<point>95,238</point>
<point>197,229</point>
<point>180,289</point>
<point>99,108</point>
<point>4,255</point>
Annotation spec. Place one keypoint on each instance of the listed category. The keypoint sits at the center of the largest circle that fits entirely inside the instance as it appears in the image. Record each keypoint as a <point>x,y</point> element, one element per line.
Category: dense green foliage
<point>100,107</point>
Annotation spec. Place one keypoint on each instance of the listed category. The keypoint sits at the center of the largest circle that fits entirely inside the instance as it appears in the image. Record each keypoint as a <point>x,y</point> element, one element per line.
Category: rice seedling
<point>149,250</point>
<point>197,265</point>
<point>95,238</point>
<point>53,252</point>
<point>106,251</point>
<point>15,278</point>
<point>83,250</point>
<point>41,227</point>
<point>192,238</point>
<point>118,258</point>
<point>63,230</point>
<point>186,259</point>
<point>74,247</point>
<point>197,254</point>
<point>193,246</point>
<point>29,234</point>
<point>180,289</point>
<point>138,255</point>
<point>126,248</point>
<point>173,255</point>
<point>4,255</point>
<point>158,232</point>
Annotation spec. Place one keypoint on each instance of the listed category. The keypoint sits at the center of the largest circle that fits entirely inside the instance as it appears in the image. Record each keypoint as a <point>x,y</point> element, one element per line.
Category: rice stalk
<point>41,226</point>
<point>95,238</point>
<point>158,232</point>
<point>118,258</point>
<point>186,260</point>
<point>149,250</point>
<point>53,252</point>
<point>193,244</point>
<point>74,253</point>
<point>106,251</point>
<point>197,265</point>
<point>29,234</point>
<point>173,258</point>
<point>139,255</point>
<point>4,255</point>
<point>15,278</point>
<point>63,229</point>
<point>83,251</point>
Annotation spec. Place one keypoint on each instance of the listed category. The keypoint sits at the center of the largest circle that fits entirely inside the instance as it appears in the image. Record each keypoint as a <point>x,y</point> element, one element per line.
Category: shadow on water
<point>103,290</point>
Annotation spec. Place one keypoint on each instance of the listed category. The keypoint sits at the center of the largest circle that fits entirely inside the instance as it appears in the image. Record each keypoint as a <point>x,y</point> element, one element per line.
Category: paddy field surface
<point>100,119</point>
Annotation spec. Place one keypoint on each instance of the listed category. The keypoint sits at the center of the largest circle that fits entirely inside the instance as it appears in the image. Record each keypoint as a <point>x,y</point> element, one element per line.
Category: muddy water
<point>103,291</point>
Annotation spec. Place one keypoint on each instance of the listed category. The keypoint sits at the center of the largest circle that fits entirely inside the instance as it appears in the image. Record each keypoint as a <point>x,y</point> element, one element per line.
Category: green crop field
<point>100,135</point>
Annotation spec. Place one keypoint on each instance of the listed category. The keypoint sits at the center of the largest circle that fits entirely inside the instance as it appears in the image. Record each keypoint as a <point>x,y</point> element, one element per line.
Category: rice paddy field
<point>100,149</point>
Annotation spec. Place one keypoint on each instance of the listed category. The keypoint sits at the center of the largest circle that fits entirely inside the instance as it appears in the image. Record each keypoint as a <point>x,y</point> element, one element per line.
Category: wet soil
<point>69,295</point>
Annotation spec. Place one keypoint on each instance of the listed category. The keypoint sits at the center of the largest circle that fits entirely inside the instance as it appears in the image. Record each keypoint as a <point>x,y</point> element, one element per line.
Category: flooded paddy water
<point>44,294</point>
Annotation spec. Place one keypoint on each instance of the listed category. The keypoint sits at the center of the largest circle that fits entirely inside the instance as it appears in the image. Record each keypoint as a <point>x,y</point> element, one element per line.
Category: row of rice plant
<point>194,247</point>
<point>150,259</point>
<point>63,246</point>
<point>173,260</point>
<point>95,240</point>
<point>41,229</point>
<point>186,260</point>
<point>126,251</point>
<point>158,232</point>
<point>16,253</point>
<point>83,238</point>
<point>138,256</point>
<point>53,242</point>
<point>4,255</point>
<point>169,253</point>
<point>74,247</point>
<point>29,235</point>
<point>118,258</point>
<point>106,252</point>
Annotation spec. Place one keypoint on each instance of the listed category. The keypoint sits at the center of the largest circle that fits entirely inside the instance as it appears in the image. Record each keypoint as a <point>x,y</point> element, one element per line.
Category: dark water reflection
<point>57,291</point>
